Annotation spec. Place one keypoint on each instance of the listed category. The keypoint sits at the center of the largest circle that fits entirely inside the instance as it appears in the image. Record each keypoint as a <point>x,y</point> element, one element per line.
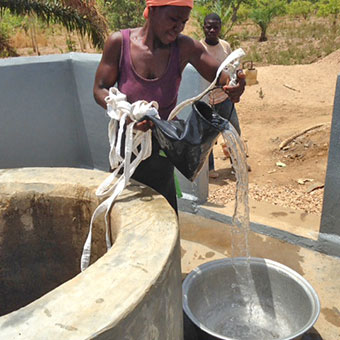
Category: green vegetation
<point>8,25</point>
<point>329,8</point>
<point>262,12</point>
<point>80,16</point>
<point>280,32</point>
<point>270,31</point>
<point>222,8</point>
<point>130,16</point>
<point>291,41</point>
<point>6,50</point>
<point>300,8</point>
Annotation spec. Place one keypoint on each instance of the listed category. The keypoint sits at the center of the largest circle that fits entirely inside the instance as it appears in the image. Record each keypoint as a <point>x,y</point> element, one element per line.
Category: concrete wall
<point>49,117</point>
<point>42,110</point>
<point>330,219</point>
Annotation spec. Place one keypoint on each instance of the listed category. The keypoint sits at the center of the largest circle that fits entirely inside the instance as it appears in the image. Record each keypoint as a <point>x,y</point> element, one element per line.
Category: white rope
<point>119,110</point>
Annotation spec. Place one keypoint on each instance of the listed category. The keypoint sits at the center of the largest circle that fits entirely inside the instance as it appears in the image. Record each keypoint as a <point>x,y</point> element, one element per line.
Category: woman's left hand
<point>234,92</point>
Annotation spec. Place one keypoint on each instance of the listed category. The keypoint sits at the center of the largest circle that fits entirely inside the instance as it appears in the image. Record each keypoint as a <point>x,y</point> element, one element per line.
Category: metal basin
<point>247,299</point>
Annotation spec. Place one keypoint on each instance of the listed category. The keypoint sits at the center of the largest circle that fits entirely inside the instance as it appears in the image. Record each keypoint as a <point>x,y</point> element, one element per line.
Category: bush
<point>300,8</point>
<point>122,14</point>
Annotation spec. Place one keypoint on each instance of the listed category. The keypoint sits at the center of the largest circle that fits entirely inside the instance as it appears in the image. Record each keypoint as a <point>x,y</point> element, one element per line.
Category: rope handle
<point>230,65</point>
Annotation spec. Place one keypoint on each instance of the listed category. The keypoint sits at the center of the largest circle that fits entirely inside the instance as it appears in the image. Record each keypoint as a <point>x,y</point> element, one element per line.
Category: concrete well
<point>131,292</point>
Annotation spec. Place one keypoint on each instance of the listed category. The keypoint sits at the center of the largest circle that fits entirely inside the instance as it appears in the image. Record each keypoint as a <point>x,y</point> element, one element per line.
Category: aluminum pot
<point>247,299</point>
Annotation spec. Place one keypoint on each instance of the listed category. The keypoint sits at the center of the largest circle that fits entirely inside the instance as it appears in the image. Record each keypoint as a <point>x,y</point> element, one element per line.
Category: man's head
<point>212,28</point>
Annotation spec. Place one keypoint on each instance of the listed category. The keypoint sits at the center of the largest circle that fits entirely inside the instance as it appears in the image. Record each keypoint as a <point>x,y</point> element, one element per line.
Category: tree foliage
<point>84,17</point>
<point>262,13</point>
<point>74,15</point>
<point>226,10</point>
<point>329,8</point>
<point>6,50</point>
<point>299,8</point>
<point>122,14</point>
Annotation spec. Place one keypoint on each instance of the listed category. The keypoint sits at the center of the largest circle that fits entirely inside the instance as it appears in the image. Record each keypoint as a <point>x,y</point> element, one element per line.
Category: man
<point>147,62</point>
<point>218,98</point>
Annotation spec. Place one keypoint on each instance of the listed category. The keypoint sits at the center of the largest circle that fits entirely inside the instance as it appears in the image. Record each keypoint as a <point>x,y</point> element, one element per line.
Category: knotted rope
<point>136,142</point>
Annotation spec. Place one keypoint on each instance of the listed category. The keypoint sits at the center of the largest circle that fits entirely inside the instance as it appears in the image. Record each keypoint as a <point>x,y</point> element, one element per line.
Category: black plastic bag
<point>188,143</point>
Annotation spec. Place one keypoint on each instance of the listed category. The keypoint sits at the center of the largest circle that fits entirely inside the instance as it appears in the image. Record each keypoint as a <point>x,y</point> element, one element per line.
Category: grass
<point>290,41</point>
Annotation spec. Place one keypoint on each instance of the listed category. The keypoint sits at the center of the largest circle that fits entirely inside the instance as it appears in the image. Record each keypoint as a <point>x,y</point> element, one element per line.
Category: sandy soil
<point>286,101</point>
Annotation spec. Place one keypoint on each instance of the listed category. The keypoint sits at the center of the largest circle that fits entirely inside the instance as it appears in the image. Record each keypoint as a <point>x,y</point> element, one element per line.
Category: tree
<point>329,7</point>
<point>262,13</point>
<point>96,24</point>
<point>123,13</point>
<point>299,8</point>
<point>6,50</point>
<point>75,15</point>
<point>226,10</point>
<point>235,5</point>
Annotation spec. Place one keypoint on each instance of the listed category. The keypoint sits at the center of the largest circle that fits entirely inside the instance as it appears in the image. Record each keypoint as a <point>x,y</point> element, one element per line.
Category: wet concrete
<point>203,240</point>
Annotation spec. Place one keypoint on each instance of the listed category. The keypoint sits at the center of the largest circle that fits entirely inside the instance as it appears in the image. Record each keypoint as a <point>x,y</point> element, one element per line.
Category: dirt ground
<point>286,101</point>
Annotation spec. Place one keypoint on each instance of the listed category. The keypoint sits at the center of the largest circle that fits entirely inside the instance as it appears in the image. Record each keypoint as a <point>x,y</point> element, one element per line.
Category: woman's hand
<point>143,125</point>
<point>235,92</point>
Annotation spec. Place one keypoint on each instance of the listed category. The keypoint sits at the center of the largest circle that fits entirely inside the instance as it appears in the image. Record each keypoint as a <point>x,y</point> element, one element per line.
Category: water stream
<point>243,319</point>
<point>240,221</point>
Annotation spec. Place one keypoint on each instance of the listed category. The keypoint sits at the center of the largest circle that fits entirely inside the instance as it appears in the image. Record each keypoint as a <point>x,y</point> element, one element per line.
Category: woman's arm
<point>193,52</point>
<point>108,69</point>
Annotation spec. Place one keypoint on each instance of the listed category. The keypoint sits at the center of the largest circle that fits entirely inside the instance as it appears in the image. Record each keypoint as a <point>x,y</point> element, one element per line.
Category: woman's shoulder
<point>112,48</point>
<point>188,45</point>
<point>115,38</point>
<point>190,50</point>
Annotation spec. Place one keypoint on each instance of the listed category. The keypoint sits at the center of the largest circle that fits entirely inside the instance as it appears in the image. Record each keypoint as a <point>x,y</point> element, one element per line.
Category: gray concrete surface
<point>330,221</point>
<point>294,226</point>
<point>132,292</point>
<point>41,119</point>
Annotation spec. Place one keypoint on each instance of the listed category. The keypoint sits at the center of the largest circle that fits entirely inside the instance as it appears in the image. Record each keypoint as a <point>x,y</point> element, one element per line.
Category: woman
<point>147,62</point>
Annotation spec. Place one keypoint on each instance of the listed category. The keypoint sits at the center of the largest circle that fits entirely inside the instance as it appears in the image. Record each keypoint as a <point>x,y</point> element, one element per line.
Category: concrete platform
<point>287,220</point>
<point>204,239</point>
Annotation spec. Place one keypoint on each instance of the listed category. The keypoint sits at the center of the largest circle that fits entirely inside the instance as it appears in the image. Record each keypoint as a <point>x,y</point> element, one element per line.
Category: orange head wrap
<point>149,3</point>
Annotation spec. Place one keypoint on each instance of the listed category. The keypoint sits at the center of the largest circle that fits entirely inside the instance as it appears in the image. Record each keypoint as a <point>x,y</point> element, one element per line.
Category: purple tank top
<point>163,90</point>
